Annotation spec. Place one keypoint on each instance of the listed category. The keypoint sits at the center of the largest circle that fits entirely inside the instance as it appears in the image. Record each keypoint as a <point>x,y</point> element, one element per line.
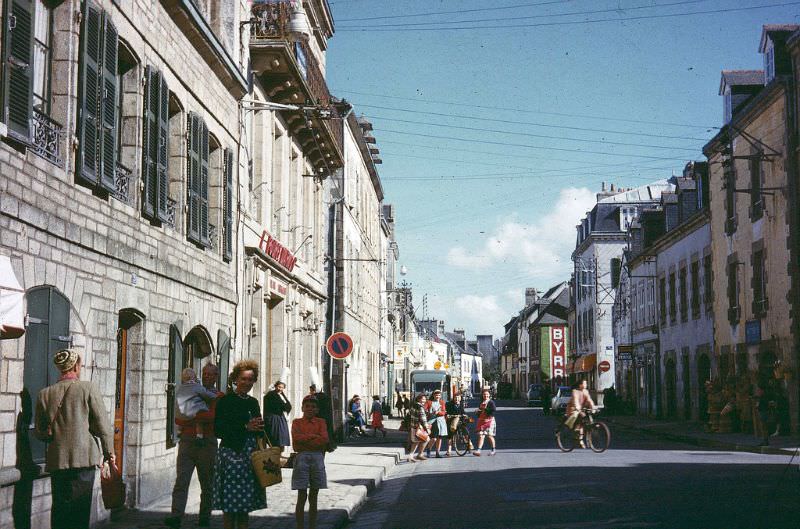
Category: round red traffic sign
<point>604,366</point>
<point>339,345</point>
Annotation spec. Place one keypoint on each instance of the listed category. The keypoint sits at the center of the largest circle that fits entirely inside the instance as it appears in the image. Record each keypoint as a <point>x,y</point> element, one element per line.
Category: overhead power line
<point>528,17</point>
<point>527,146</point>
<point>528,111</point>
<point>531,123</point>
<point>477,10</point>
<point>533,135</point>
<point>571,23</point>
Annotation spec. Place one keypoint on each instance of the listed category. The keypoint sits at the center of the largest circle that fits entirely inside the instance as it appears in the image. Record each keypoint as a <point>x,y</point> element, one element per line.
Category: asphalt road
<point>639,482</point>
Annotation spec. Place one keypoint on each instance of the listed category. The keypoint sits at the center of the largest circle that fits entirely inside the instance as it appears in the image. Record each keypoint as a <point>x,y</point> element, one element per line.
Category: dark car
<point>535,395</point>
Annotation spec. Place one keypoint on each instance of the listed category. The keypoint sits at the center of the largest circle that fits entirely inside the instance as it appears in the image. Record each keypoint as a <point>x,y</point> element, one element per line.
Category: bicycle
<point>461,439</point>
<point>596,434</point>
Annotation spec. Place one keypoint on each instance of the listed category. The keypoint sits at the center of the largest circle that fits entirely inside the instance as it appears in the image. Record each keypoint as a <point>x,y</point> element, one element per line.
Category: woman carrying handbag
<point>238,424</point>
<point>418,431</point>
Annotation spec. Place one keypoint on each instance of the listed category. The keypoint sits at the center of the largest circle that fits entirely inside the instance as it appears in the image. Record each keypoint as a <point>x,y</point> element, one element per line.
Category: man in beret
<point>69,415</point>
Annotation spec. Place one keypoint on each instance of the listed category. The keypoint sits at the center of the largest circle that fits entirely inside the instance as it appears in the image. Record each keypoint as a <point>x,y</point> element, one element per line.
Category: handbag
<point>421,434</point>
<point>112,486</point>
<point>266,461</point>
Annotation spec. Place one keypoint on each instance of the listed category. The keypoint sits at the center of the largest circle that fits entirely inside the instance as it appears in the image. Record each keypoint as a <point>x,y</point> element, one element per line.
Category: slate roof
<point>776,32</point>
<point>740,78</point>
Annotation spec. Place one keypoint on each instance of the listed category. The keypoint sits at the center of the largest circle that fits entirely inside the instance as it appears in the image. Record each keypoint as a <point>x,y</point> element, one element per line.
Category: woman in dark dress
<point>238,424</point>
<point>275,425</point>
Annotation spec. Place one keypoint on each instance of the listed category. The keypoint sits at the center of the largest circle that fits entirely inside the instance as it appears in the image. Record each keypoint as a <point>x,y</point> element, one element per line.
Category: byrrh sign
<point>277,251</point>
<point>558,353</point>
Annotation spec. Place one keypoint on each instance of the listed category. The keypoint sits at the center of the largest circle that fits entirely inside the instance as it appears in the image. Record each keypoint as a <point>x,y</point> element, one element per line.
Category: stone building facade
<point>120,167</point>
<point>754,227</point>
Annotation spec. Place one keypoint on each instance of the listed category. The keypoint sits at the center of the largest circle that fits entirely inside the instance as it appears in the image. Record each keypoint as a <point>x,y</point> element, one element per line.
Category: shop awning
<point>582,364</point>
<point>12,302</point>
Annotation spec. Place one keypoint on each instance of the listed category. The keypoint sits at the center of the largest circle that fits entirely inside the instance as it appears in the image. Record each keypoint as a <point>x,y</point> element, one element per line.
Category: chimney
<point>612,188</point>
<point>603,187</point>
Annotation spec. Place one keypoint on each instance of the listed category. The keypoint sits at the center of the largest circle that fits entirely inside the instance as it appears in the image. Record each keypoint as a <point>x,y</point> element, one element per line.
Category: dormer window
<point>627,214</point>
<point>769,62</point>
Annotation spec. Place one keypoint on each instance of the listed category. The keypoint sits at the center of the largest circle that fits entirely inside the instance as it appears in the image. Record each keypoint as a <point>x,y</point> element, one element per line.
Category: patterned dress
<point>236,489</point>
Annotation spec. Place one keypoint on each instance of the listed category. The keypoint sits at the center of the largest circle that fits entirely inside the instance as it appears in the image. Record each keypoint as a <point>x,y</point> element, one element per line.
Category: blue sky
<point>495,137</point>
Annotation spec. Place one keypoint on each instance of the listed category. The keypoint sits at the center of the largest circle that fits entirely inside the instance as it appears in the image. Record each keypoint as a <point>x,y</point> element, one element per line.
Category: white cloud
<point>479,314</point>
<point>542,248</point>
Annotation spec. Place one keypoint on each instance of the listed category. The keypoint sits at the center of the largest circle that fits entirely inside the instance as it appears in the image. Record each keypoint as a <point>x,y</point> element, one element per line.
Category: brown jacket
<point>81,418</point>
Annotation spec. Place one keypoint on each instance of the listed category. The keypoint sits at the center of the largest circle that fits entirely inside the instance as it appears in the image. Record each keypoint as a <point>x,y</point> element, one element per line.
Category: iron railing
<point>269,20</point>
<point>172,207</point>
<point>123,178</point>
<point>46,137</point>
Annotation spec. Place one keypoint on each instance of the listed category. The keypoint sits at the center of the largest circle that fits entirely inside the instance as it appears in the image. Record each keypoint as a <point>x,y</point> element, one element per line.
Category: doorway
<point>671,376</point>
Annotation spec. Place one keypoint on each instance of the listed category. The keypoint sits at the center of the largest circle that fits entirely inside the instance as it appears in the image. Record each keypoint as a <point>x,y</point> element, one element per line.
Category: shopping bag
<point>266,461</point>
<point>112,486</point>
<point>421,434</point>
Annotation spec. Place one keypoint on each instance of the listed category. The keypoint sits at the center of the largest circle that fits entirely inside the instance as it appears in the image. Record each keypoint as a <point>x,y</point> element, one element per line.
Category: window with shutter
<point>89,98</point>
<point>193,187</point>
<point>150,142</point>
<point>108,100</point>
<point>17,68</point>
<point>227,245</point>
<point>163,151</point>
<point>173,379</point>
<point>97,122</point>
<point>203,189</point>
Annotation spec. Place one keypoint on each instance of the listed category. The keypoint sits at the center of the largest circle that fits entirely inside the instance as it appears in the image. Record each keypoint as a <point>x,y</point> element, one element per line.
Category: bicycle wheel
<point>565,438</point>
<point>461,441</point>
<point>599,437</point>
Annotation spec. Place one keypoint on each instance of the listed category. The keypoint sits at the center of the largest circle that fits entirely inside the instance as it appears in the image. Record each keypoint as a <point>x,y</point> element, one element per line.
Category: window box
<point>760,307</point>
<point>734,313</point>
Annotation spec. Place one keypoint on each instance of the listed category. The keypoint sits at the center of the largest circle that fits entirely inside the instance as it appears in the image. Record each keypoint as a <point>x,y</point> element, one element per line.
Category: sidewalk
<point>354,469</point>
<point>692,432</point>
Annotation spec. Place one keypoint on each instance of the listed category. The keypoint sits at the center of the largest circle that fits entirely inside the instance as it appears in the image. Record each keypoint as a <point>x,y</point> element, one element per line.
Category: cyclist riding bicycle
<point>579,401</point>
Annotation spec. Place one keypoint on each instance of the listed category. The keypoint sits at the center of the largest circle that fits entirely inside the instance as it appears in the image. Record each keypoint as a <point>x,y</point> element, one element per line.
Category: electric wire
<point>378,29</point>
<point>475,10</point>
<point>531,134</point>
<point>528,111</point>
<point>530,17</point>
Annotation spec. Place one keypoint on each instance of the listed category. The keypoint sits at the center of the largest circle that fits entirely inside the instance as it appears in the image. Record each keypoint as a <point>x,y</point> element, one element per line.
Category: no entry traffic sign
<point>339,345</point>
<point>604,366</point>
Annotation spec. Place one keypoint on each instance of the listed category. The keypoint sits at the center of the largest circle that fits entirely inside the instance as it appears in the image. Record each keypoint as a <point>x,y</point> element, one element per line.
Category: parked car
<point>535,395</point>
<point>558,405</point>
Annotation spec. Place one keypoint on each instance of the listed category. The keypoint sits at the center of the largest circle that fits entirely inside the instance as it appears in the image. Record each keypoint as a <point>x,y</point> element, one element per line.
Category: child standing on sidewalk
<point>377,416</point>
<point>309,440</point>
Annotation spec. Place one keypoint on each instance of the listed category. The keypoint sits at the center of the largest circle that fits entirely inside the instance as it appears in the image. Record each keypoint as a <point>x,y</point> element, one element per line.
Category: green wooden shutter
<point>173,379</point>
<point>203,189</point>
<point>108,101</point>
<point>193,168</point>
<point>18,68</point>
<point>227,244</point>
<point>163,150</point>
<point>149,142</point>
<point>223,358</point>
<point>88,168</point>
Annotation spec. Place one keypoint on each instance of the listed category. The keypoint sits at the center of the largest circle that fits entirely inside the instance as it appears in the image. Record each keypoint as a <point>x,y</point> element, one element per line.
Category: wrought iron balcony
<point>291,74</point>
<point>122,184</point>
<point>212,236</point>
<point>171,212</point>
<point>46,137</point>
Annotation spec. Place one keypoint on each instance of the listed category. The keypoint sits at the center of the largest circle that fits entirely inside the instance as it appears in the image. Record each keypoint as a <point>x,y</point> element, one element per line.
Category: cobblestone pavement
<point>354,469</point>
<point>642,481</point>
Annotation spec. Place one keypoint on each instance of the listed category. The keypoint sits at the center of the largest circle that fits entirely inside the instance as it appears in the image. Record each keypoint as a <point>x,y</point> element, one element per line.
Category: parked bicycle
<point>586,430</point>
<point>461,439</point>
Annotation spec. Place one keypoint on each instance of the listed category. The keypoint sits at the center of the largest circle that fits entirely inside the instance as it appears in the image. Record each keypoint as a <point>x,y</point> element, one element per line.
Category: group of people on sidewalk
<point>71,417</point>
<point>357,418</point>
<point>432,422</point>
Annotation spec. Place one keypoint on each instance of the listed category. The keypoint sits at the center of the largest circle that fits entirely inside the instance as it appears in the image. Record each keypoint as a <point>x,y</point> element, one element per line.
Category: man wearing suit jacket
<point>69,415</point>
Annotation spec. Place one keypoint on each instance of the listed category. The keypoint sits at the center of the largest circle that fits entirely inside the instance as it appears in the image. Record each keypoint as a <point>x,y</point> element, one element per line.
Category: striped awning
<point>582,364</point>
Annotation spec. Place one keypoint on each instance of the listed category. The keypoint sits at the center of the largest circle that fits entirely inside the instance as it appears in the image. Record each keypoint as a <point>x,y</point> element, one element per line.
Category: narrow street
<point>640,482</point>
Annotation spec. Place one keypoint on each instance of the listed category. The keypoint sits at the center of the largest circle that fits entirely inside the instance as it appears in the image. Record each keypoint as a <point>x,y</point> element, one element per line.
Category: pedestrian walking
<point>546,396</point>
<point>69,416</point>
<point>309,440</point>
<point>276,405</point>
<point>418,420</point>
<point>406,405</point>
<point>435,409</point>
<point>238,424</point>
<point>197,449</point>
<point>767,403</point>
<point>377,416</point>
<point>486,422</point>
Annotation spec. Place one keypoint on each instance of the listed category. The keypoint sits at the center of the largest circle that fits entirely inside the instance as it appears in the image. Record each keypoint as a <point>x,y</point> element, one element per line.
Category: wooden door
<point>119,401</point>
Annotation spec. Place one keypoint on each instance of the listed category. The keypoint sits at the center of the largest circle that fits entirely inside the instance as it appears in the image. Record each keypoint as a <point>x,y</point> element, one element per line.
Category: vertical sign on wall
<point>558,353</point>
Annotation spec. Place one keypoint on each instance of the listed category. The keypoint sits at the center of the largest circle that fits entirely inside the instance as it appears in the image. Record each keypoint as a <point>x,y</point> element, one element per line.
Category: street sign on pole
<point>604,366</point>
<point>339,345</point>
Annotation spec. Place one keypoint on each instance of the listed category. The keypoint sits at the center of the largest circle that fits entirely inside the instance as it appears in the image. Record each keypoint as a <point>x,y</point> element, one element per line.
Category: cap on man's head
<point>66,359</point>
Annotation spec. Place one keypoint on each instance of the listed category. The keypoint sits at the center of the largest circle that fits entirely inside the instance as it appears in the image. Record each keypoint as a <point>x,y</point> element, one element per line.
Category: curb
<point>704,442</point>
